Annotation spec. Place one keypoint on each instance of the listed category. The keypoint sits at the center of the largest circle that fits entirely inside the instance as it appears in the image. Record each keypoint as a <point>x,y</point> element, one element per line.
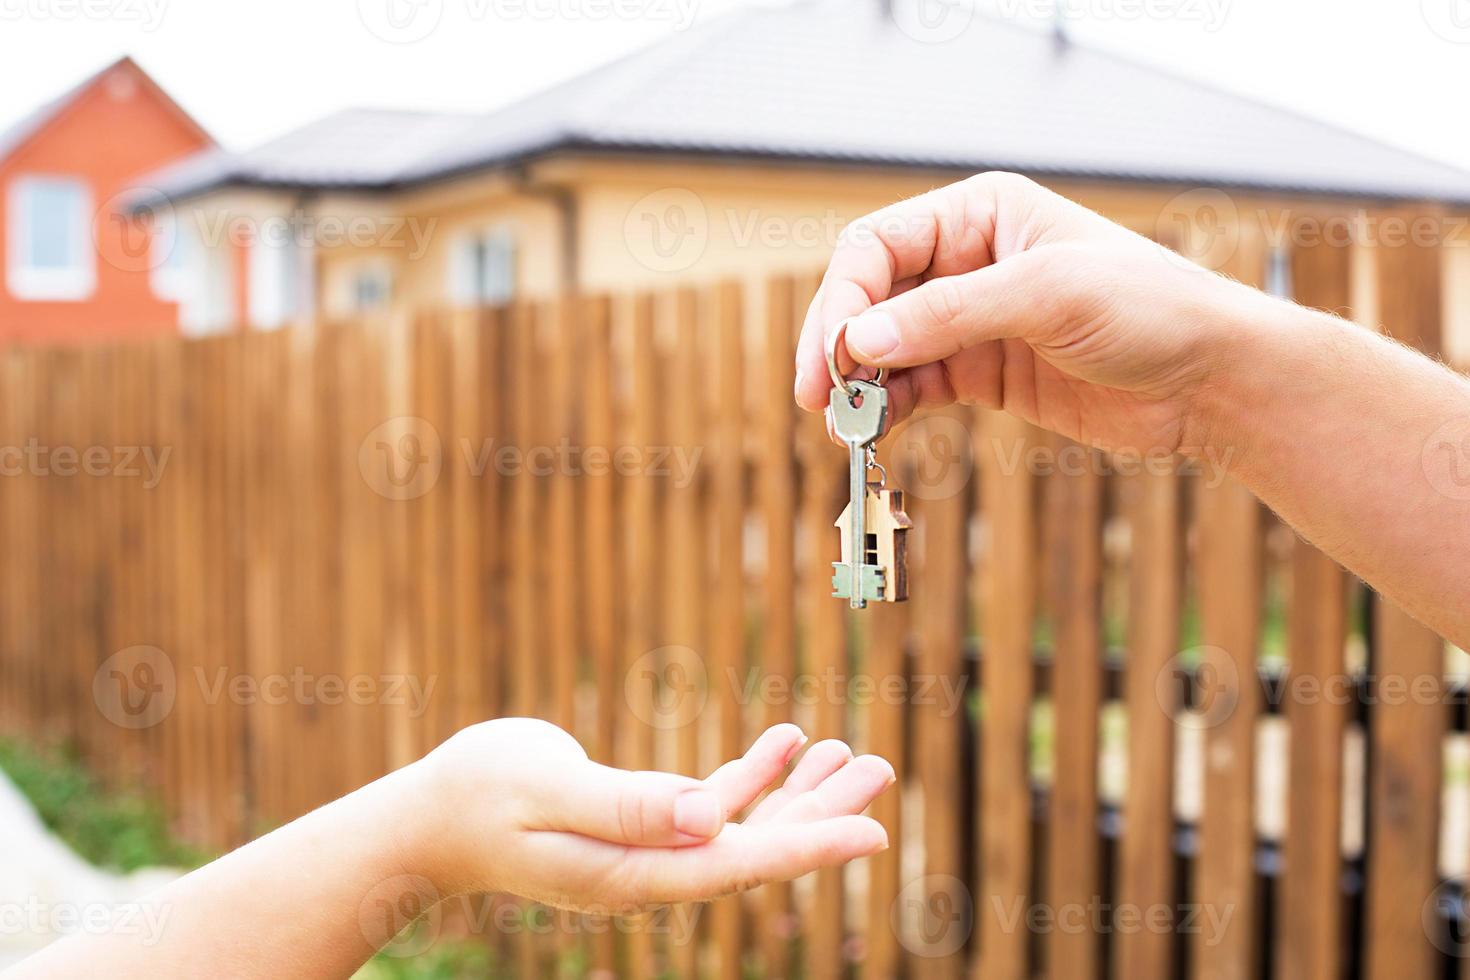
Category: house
<point>743,146</point>
<point>76,264</point>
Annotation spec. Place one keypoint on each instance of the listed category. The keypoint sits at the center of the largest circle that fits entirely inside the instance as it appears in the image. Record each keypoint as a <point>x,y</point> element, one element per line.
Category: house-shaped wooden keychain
<point>885,550</point>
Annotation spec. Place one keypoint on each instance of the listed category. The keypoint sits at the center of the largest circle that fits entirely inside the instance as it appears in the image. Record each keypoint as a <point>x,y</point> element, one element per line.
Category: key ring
<point>838,381</point>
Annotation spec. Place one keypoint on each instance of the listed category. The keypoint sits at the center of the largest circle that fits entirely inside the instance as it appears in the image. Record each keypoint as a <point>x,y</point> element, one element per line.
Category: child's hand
<point>519,808</point>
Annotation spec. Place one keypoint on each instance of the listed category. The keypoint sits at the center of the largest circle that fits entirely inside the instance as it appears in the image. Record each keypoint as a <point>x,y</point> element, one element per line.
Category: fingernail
<point>698,813</point>
<point>872,334</point>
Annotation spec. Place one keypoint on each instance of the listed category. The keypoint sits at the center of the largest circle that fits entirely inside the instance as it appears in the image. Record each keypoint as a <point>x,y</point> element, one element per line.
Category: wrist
<point>415,823</point>
<point>1261,344</point>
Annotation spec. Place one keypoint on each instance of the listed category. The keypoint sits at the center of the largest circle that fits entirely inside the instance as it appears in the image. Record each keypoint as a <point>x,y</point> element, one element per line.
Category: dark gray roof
<point>843,84</point>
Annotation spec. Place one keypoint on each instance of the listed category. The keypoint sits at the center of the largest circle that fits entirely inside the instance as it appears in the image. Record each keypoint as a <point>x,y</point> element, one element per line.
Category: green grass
<point>445,960</point>
<point>121,829</point>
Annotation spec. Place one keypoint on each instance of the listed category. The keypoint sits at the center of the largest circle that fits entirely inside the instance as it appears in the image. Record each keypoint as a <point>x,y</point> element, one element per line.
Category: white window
<point>1278,272</point>
<point>172,269</point>
<point>482,270</point>
<point>370,288</point>
<point>50,240</point>
<point>280,287</point>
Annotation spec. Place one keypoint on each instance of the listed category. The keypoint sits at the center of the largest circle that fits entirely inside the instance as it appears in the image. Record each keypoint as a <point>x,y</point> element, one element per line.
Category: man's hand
<point>995,291</point>
<point>519,808</point>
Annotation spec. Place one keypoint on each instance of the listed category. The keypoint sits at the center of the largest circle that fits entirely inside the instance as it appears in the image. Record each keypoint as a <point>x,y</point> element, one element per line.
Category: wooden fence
<point>356,538</point>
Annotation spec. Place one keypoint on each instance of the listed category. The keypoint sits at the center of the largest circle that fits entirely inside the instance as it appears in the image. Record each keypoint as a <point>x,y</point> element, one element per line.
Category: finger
<point>743,857</point>
<point>737,783</point>
<point>946,231</point>
<point>848,790</point>
<point>820,761</point>
<point>647,809</point>
<point>1023,298</point>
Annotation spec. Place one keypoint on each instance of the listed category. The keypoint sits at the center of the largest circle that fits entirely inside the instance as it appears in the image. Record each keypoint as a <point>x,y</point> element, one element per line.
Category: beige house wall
<point>651,224</point>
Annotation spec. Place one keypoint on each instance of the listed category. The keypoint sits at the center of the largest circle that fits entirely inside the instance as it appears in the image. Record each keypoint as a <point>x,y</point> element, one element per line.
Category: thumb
<point>1018,297</point>
<point>643,809</point>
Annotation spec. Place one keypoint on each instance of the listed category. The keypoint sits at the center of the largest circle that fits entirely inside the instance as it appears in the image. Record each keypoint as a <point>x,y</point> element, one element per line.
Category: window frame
<point>38,284</point>
<point>471,285</point>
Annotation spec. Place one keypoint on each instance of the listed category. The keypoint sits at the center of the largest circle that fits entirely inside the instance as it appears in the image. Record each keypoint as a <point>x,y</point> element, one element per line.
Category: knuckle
<point>943,301</point>
<point>632,816</point>
<point>1003,182</point>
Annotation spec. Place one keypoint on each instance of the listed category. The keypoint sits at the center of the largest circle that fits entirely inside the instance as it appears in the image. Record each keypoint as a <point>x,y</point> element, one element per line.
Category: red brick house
<point>73,265</point>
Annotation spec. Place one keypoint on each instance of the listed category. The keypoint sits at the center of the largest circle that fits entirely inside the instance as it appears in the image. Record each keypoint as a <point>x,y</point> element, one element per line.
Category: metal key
<point>858,416</point>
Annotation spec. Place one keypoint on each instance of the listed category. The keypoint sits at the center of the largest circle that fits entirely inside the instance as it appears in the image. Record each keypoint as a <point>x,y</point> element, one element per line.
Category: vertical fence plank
<point>1230,589</point>
<point>727,635</point>
<point>564,596</point>
<point>1073,540</point>
<point>1230,583</point>
<point>778,504</point>
<point>1007,593</point>
<point>1145,875</point>
<point>1310,938</point>
<point>640,573</point>
<point>686,560</point>
<point>824,494</point>
<point>1405,733</point>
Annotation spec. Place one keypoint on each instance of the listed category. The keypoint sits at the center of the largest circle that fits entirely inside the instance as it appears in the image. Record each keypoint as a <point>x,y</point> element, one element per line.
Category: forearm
<point>1343,433</point>
<point>308,900</point>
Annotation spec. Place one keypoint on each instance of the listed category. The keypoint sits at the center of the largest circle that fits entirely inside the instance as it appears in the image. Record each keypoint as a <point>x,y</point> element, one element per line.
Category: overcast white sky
<point>251,69</point>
